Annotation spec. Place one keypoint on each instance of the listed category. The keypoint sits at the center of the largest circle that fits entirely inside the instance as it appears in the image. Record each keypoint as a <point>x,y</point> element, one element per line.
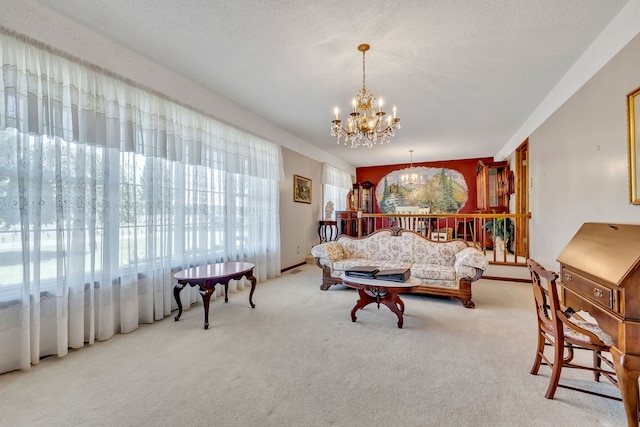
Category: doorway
<point>522,197</point>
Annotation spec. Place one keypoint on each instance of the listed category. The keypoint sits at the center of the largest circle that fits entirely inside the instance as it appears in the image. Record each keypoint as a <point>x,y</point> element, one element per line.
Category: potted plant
<point>501,231</point>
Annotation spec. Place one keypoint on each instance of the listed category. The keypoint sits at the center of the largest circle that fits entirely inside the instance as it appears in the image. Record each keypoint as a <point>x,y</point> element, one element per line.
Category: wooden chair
<point>565,332</point>
<point>413,223</point>
<point>465,229</point>
<point>425,223</point>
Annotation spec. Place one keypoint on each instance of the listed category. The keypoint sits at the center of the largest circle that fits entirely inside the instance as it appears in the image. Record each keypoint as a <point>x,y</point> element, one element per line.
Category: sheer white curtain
<point>105,191</point>
<point>336,184</point>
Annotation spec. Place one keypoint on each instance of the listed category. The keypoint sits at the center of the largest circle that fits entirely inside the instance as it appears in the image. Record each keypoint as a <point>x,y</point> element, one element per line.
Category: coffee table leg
<point>390,300</point>
<point>365,299</point>
<point>206,297</point>
<point>399,302</point>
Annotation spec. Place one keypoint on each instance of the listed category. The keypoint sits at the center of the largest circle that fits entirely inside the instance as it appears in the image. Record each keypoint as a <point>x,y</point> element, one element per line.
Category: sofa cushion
<point>433,271</point>
<point>450,284</point>
<point>437,253</point>
<point>359,248</point>
<point>339,267</point>
<point>328,252</point>
<point>379,246</point>
<point>391,264</point>
<point>471,258</point>
<point>396,248</point>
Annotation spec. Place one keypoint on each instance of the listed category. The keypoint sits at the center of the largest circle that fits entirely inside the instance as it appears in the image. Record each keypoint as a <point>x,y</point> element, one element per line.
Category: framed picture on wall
<point>301,189</point>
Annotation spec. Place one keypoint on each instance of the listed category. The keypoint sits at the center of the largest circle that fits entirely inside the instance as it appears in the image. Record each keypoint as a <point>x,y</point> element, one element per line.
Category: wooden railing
<point>484,231</point>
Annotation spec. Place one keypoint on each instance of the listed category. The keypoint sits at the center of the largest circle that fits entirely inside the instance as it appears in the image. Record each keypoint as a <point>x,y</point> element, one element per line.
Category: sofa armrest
<point>328,253</point>
<point>470,257</point>
<point>469,273</point>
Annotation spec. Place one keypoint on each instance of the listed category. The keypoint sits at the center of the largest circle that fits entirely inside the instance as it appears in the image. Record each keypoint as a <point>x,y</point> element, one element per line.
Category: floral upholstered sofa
<point>444,268</point>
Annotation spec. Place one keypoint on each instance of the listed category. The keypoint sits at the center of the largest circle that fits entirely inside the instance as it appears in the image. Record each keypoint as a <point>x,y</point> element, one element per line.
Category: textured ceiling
<point>465,75</point>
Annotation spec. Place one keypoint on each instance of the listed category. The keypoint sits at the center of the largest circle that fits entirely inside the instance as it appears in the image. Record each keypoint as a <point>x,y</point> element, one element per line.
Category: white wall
<point>578,159</point>
<point>299,221</point>
<point>622,28</point>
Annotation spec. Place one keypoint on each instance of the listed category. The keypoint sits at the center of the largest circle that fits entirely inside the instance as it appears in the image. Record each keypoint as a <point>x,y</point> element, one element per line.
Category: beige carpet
<point>298,360</point>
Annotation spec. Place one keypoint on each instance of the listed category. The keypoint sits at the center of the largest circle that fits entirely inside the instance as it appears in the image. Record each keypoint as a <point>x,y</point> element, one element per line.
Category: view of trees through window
<point>62,203</point>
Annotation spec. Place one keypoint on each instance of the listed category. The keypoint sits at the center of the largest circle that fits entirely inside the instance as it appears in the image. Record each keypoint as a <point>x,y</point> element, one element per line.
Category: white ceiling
<point>465,75</point>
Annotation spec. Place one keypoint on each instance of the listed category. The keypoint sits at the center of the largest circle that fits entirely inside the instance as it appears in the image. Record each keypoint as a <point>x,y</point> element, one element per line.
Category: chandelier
<point>411,178</point>
<point>367,124</point>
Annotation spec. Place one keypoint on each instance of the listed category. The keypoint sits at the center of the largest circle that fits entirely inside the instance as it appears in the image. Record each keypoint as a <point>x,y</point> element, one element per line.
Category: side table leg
<point>253,281</point>
<point>176,294</point>
<point>226,291</point>
<point>206,297</point>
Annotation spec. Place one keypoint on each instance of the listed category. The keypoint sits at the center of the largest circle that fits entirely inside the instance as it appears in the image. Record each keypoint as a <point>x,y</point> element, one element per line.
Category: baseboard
<point>505,272</point>
<point>292,267</point>
<point>507,279</point>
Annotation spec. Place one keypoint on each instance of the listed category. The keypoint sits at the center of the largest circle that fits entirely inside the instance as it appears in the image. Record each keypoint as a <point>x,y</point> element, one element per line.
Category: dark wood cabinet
<point>494,183</point>
<point>347,222</point>
<point>360,200</point>
<point>363,196</point>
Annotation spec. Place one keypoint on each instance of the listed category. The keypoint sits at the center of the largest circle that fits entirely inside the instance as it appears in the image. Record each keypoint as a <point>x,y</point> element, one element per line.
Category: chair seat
<point>579,337</point>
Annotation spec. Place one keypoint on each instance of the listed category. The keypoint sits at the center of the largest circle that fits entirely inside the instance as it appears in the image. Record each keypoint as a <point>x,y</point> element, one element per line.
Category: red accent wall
<point>467,167</point>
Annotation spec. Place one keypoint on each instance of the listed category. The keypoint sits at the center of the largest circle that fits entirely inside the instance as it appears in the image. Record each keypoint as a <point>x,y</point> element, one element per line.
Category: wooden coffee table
<point>207,277</point>
<point>380,292</point>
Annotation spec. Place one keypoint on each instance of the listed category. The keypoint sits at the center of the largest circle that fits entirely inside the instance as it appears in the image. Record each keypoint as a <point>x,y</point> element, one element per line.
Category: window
<point>336,184</point>
<point>105,191</point>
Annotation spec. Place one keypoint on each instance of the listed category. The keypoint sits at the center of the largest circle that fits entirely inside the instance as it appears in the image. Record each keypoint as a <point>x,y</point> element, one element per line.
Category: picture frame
<point>633,120</point>
<point>301,189</point>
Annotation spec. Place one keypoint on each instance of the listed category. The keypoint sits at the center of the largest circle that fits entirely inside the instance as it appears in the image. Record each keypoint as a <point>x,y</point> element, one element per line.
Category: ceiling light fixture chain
<point>363,50</point>
<point>367,124</point>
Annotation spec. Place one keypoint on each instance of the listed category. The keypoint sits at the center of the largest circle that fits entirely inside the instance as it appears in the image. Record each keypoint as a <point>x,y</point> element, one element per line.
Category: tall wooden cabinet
<point>494,183</point>
<point>360,200</point>
<point>363,195</point>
